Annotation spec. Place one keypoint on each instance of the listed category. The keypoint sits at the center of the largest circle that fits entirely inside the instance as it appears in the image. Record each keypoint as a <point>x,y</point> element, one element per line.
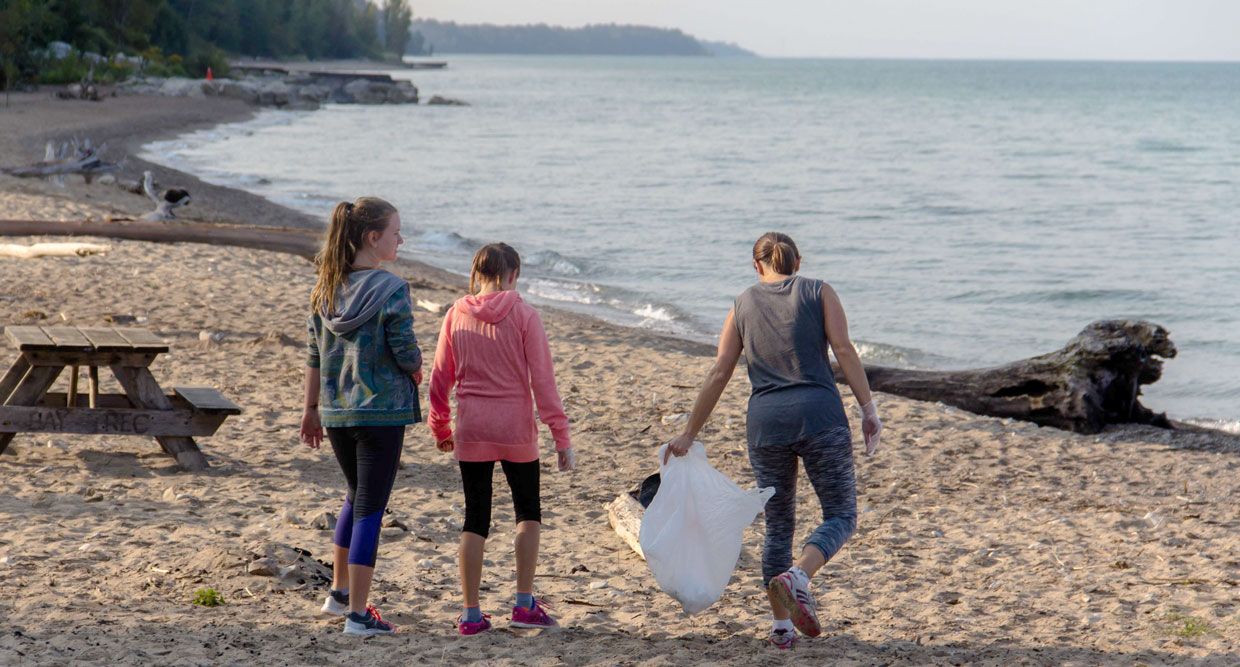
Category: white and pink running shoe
<point>783,639</point>
<point>793,593</point>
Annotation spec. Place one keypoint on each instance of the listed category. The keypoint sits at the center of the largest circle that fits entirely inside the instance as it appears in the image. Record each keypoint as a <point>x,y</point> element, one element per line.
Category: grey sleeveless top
<point>794,394</point>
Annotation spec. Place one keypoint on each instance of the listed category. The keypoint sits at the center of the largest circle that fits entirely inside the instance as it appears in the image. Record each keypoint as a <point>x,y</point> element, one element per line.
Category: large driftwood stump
<point>81,159</point>
<point>1095,380</point>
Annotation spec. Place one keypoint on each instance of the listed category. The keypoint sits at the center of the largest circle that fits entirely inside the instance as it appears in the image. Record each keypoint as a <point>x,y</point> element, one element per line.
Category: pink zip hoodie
<point>493,350</point>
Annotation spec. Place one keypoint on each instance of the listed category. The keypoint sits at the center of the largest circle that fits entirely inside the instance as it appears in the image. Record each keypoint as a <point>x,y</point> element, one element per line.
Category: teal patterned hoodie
<point>366,353</point>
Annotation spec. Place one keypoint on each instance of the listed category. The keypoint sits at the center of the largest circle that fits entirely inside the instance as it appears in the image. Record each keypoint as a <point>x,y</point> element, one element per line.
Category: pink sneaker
<point>467,628</point>
<point>536,617</point>
<point>796,598</point>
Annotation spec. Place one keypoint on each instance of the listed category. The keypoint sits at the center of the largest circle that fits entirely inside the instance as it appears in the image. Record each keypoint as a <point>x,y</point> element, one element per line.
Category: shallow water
<point>968,213</point>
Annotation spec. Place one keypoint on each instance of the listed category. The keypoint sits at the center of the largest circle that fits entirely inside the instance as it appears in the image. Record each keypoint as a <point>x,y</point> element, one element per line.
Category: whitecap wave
<point>1231,426</point>
<point>652,312</point>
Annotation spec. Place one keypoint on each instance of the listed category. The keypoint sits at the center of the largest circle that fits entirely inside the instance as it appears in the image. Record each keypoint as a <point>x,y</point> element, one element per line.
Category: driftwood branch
<point>51,250</point>
<point>83,160</point>
<point>300,242</point>
<point>1093,381</point>
<point>626,511</point>
<point>625,516</point>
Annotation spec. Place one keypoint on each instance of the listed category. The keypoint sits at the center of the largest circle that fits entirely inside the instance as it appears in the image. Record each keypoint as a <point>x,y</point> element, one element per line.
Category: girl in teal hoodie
<point>363,369</point>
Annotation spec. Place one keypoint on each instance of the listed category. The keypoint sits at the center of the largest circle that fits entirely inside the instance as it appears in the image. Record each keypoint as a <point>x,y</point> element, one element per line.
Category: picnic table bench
<point>27,406</point>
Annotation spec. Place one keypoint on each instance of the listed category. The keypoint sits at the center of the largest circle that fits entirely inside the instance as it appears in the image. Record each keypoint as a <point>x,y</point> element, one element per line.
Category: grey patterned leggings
<point>829,464</point>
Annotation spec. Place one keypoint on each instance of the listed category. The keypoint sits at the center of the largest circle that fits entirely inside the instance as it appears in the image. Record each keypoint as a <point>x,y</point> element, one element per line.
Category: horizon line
<point>760,56</point>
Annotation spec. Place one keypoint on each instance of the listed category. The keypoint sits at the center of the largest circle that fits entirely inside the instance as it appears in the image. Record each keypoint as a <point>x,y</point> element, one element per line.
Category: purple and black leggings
<point>369,457</point>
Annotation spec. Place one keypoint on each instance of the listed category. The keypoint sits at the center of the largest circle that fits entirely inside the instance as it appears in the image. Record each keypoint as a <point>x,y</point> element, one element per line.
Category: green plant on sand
<point>208,597</point>
<point>1188,627</point>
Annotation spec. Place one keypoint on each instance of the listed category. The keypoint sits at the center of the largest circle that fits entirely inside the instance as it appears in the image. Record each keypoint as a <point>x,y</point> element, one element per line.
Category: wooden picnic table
<point>27,406</point>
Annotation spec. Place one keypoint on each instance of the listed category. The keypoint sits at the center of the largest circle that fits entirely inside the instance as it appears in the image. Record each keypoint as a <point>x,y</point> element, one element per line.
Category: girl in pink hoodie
<point>493,351</point>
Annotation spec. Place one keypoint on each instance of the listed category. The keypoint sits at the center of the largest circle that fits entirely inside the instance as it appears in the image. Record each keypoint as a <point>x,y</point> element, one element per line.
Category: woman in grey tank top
<point>784,325</point>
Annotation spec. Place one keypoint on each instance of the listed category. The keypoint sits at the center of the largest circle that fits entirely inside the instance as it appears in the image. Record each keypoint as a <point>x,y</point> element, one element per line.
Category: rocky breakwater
<point>297,91</point>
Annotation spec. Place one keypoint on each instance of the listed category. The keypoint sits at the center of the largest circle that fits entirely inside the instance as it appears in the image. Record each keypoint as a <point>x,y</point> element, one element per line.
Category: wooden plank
<point>207,399</point>
<point>143,340</point>
<point>108,421</point>
<point>68,338</point>
<point>144,391</point>
<point>29,338</point>
<point>58,399</point>
<point>54,357</point>
<point>32,388</point>
<point>107,340</point>
<point>12,378</point>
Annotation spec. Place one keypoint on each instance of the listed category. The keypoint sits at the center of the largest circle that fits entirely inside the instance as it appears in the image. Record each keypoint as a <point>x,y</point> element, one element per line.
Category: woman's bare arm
<point>311,429</point>
<point>837,335</point>
<point>836,325</point>
<point>717,378</point>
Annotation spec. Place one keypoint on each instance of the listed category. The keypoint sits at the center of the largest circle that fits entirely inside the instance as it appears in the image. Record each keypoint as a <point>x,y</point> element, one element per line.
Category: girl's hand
<point>417,377</point>
<point>679,446</point>
<point>871,427</point>
<point>567,459</point>
<point>311,428</point>
<point>446,445</point>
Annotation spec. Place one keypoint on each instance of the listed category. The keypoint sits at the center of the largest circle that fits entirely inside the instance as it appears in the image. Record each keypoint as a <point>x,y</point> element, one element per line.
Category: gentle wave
<point>1231,426</point>
<point>1165,146</point>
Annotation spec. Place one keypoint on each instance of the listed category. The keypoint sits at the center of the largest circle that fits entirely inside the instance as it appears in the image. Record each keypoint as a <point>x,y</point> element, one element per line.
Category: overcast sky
<point>1055,29</point>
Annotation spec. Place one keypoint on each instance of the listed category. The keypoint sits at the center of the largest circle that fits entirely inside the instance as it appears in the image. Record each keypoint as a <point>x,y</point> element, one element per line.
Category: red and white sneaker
<point>533,617</point>
<point>783,639</point>
<point>469,628</point>
<point>793,593</point>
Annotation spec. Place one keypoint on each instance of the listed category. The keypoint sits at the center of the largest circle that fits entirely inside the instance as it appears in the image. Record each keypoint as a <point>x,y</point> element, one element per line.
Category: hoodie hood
<point>490,308</point>
<point>360,297</point>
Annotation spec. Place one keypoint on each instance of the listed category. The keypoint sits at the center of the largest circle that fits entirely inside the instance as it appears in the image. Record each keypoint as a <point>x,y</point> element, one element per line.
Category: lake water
<point>968,213</point>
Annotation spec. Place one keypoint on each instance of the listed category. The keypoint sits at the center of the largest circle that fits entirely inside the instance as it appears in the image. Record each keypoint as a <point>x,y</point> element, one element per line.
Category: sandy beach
<point>980,540</point>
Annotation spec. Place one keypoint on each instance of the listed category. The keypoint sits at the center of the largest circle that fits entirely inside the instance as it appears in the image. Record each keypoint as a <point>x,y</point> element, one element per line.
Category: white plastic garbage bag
<point>691,532</point>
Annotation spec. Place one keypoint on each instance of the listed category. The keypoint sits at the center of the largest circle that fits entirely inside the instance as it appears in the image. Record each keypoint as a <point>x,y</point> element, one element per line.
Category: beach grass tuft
<point>1188,627</point>
<point>208,597</point>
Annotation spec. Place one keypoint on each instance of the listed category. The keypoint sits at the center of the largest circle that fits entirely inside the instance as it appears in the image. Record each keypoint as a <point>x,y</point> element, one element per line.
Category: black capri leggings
<point>476,478</point>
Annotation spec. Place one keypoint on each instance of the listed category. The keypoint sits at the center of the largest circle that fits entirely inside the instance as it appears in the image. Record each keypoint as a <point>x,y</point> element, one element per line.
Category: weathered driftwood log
<point>51,250</point>
<point>80,91</point>
<point>625,515</point>
<point>1095,380</point>
<point>83,160</point>
<point>625,512</point>
<point>300,242</point>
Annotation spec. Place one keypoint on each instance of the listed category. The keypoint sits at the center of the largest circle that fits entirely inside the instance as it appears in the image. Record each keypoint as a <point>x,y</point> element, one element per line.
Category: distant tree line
<point>187,36</point>
<point>610,39</point>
